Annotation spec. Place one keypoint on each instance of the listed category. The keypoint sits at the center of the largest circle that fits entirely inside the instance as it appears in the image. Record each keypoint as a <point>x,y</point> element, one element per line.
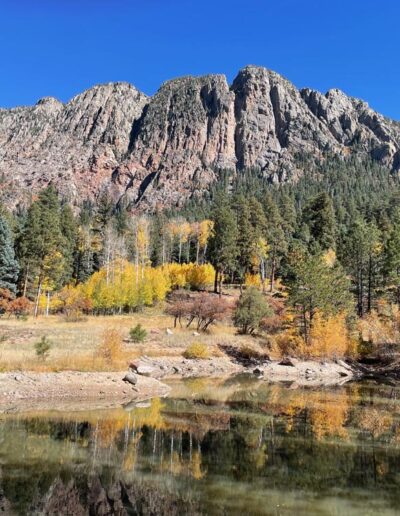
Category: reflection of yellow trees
<point>130,455</point>
<point>375,422</point>
<point>327,411</point>
<point>189,466</point>
<point>119,420</point>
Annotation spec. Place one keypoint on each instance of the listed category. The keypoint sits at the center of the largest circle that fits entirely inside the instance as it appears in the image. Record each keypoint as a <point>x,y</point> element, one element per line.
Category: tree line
<point>330,242</point>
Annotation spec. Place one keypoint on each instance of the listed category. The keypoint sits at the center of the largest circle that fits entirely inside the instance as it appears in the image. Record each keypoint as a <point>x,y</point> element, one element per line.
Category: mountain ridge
<point>159,151</point>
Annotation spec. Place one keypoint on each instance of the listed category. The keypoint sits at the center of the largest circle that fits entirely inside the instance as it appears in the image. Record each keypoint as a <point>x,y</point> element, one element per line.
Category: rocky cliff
<point>160,151</point>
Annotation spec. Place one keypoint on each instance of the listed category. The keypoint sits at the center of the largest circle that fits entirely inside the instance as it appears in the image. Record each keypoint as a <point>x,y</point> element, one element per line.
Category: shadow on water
<point>236,446</point>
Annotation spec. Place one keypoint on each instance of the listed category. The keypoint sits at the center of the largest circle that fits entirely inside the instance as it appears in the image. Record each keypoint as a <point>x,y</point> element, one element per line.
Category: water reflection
<point>213,447</point>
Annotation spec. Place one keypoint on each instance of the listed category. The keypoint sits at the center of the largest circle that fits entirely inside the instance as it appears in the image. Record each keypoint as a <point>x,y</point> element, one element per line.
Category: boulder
<point>288,361</point>
<point>130,378</point>
<point>144,370</point>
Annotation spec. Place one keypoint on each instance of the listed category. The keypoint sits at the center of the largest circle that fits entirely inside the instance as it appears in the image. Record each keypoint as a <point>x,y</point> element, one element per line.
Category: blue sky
<point>61,47</point>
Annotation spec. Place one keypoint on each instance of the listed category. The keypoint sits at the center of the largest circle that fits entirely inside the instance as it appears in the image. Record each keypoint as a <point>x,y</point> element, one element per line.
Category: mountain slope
<point>155,152</point>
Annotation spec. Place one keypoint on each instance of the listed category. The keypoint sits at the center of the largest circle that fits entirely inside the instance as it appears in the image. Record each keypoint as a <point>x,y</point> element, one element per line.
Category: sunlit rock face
<point>153,152</point>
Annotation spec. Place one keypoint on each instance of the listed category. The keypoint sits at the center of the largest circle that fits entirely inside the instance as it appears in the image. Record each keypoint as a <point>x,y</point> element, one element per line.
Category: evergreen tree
<point>392,259</point>
<point>246,238</point>
<point>41,244</point>
<point>319,216</point>
<point>222,248</point>
<point>317,287</point>
<point>360,253</point>
<point>9,267</point>
<point>276,239</point>
<point>69,231</point>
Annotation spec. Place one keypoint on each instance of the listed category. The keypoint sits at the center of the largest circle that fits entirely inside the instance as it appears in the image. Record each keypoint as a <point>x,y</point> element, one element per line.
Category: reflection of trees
<point>291,439</point>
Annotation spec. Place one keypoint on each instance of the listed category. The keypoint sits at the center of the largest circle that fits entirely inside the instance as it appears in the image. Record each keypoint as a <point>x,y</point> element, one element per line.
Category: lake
<point>228,446</point>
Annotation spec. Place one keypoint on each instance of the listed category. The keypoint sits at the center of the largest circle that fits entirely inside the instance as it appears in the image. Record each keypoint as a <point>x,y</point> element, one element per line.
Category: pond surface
<point>237,446</point>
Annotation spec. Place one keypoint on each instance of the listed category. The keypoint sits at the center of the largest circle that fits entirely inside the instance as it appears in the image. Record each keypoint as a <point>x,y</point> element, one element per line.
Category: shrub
<point>138,333</point>
<point>110,348</point>
<point>5,300</point>
<point>250,309</point>
<point>204,309</point>
<point>20,307</point>
<point>197,350</point>
<point>248,353</point>
<point>42,348</point>
<point>289,343</point>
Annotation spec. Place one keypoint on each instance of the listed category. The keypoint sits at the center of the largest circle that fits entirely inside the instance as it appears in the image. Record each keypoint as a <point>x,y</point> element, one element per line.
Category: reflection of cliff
<point>95,497</point>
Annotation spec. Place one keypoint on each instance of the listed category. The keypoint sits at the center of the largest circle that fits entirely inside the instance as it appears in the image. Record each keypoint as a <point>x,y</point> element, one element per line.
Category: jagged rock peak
<point>151,152</point>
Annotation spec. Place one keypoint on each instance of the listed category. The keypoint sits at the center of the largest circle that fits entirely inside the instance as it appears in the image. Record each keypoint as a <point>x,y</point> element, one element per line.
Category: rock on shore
<point>74,390</point>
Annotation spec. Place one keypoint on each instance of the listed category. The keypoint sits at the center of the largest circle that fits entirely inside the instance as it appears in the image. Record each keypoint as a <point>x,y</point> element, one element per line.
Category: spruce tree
<point>222,248</point>
<point>9,267</point>
<point>319,216</point>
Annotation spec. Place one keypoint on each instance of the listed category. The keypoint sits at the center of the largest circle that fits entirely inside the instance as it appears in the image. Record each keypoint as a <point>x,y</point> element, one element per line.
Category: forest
<point>313,265</point>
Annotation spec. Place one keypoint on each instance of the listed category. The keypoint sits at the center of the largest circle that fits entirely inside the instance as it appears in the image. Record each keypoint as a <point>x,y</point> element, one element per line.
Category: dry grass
<point>75,344</point>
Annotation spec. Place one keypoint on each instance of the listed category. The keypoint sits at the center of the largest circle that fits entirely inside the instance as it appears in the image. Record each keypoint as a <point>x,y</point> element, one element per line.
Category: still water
<point>237,446</point>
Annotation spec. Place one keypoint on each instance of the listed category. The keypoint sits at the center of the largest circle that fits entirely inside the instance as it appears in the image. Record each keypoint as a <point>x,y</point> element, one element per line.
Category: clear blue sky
<point>61,47</point>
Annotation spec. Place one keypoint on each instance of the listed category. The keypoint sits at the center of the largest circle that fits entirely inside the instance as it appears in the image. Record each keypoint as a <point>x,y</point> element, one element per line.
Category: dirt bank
<point>74,390</point>
<point>304,372</point>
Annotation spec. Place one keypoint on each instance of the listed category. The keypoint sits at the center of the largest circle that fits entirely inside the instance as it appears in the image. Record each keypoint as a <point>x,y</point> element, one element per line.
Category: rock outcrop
<point>155,152</point>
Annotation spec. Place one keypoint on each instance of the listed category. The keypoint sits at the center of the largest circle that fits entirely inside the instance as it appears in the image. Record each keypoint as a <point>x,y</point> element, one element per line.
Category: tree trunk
<point>220,285</point>
<point>26,281</point>
<point>369,302</point>
<point>48,304</point>
<point>216,281</point>
<point>39,290</point>
<point>272,276</point>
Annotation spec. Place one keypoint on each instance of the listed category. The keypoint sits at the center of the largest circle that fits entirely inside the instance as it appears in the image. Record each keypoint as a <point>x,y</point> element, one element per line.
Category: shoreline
<point>71,390</point>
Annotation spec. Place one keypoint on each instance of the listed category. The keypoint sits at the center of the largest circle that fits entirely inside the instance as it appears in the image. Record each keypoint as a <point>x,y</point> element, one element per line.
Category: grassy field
<point>75,345</point>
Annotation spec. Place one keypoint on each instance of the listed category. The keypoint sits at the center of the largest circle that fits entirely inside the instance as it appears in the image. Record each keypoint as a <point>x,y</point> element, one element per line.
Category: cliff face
<point>76,146</point>
<point>159,151</point>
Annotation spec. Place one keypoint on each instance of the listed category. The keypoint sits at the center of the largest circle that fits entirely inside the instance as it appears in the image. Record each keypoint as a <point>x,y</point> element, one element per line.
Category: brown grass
<point>75,344</point>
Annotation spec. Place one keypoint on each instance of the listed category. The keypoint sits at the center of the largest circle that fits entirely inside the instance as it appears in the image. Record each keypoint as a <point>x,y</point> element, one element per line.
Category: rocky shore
<point>74,390</point>
<point>82,390</point>
<point>303,372</point>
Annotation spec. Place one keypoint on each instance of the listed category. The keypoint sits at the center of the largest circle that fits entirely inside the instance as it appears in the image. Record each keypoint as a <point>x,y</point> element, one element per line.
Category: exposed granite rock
<point>76,146</point>
<point>160,151</point>
<point>186,132</point>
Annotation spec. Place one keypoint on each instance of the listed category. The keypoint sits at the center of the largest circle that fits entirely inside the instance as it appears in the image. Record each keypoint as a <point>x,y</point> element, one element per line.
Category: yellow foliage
<point>252,280</point>
<point>189,275</point>
<point>197,350</point>
<point>126,286</point>
<point>330,257</point>
<point>329,337</point>
<point>110,348</point>
<point>199,277</point>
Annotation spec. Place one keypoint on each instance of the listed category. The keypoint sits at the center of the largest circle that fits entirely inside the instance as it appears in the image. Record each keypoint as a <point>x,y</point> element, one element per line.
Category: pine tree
<point>392,259</point>
<point>222,248</point>
<point>317,287</point>
<point>276,237</point>
<point>246,237</point>
<point>69,231</point>
<point>9,267</point>
<point>319,216</point>
<point>42,245</point>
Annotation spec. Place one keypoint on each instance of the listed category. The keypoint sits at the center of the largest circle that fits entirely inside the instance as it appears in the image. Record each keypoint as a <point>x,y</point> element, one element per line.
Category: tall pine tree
<point>9,267</point>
